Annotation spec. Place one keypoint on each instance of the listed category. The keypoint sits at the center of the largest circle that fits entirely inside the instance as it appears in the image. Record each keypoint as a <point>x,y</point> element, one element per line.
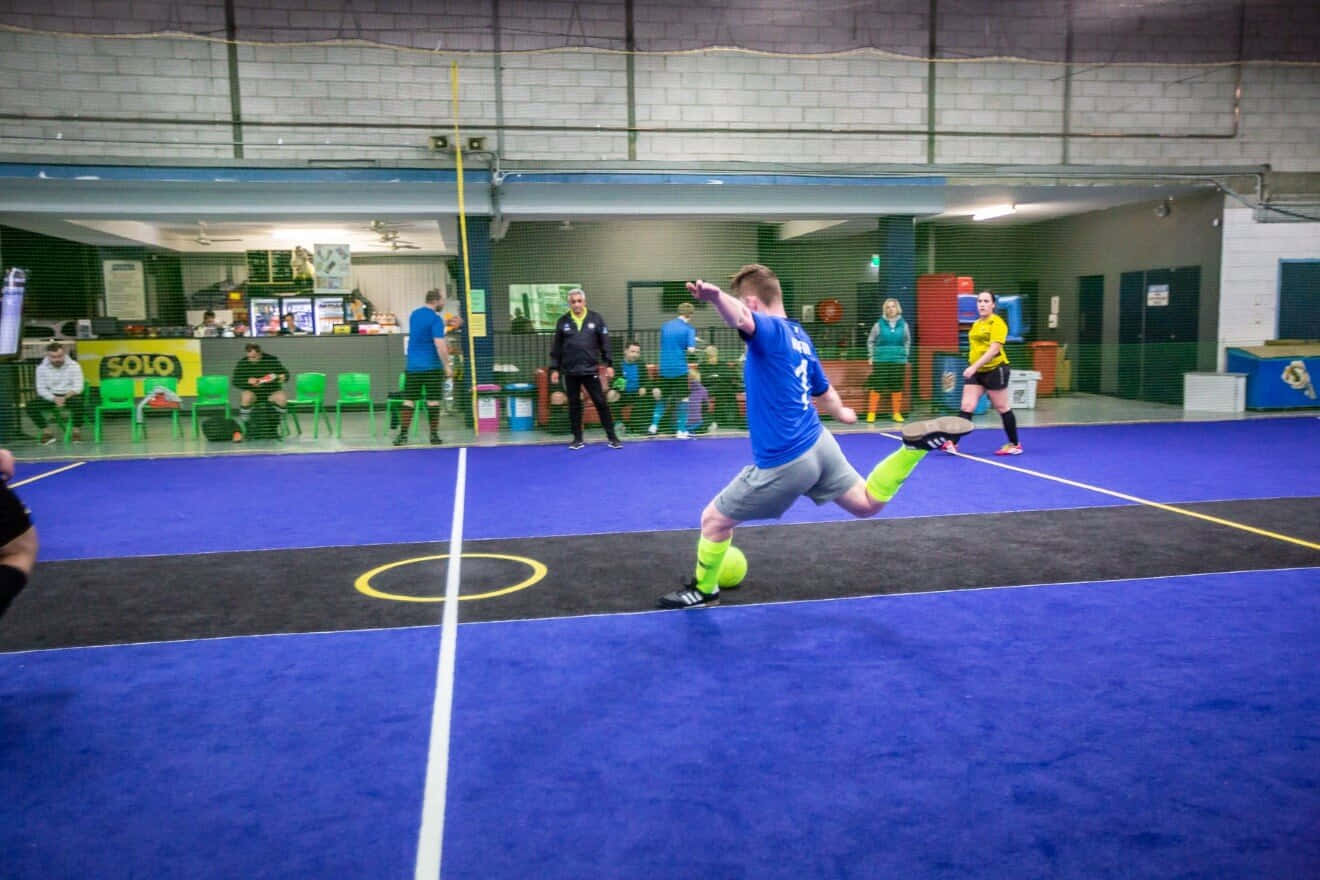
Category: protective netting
<point>1105,310</point>
<point>1094,32</point>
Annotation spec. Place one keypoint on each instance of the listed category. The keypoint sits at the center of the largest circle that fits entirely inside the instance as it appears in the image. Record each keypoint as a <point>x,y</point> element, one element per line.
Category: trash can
<point>949,383</point>
<point>488,409</point>
<point>1045,360</point>
<point>520,404</point>
<point>1022,388</point>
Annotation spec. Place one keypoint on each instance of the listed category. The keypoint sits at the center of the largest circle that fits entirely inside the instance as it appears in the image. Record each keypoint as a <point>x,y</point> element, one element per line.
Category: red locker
<point>937,322</point>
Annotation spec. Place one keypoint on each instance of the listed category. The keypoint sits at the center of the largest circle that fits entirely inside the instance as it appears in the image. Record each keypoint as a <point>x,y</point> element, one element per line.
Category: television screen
<point>11,314</point>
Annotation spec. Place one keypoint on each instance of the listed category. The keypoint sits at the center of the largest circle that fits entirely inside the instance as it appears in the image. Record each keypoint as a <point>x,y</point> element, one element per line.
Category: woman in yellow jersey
<point>987,371</point>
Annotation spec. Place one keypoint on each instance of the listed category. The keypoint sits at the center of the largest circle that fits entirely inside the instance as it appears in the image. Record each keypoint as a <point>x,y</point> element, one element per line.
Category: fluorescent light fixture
<point>994,211</point>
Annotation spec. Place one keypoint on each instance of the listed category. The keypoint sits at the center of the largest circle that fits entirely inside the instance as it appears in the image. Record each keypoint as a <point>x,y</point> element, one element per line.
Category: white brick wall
<point>1249,274</point>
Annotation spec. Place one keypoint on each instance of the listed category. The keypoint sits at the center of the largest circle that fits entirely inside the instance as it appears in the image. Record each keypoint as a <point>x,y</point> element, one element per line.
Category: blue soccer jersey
<point>425,326</point>
<point>676,337</point>
<point>781,375</point>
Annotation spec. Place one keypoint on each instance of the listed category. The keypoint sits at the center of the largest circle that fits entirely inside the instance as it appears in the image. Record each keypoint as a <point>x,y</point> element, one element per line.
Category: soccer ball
<point>733,568</point>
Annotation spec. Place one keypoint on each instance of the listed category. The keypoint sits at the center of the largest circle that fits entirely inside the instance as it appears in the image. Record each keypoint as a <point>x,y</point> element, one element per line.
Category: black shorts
<point>995,379</point>
<point>674,388</point>
<point>432,380</point>
<point>14,519</point>
<point>886,378</point>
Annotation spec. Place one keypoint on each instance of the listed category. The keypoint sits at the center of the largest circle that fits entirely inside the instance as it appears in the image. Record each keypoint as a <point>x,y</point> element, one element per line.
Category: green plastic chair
<point>212,393</point>
<point>393,403</point>
<point>309,390</point>
<point>117,395</point>
<point>354,390</point>
<point>150,384</point>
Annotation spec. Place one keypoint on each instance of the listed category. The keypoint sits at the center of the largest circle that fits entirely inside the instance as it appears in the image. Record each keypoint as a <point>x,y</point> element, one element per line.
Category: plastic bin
<point>1022,387</point>
<point>488,408</point>
<point>1045,360</point>
<point>520,404</point>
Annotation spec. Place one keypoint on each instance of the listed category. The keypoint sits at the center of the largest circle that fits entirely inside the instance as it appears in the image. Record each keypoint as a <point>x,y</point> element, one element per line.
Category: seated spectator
<point>260,378</point>
<point>632,387</point>
<point>59,394</point>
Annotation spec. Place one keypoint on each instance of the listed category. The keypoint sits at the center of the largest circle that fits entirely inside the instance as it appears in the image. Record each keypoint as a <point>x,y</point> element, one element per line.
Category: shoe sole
<point>953,426</point>
<point>711,604</point>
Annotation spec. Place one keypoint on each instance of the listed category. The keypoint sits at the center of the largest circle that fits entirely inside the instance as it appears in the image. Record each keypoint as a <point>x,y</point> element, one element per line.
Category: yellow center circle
<point>363,583</point>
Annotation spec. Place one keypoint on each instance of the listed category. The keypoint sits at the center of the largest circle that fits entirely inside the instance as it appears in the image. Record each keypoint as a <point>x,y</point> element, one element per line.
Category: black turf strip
<point>113,601</point>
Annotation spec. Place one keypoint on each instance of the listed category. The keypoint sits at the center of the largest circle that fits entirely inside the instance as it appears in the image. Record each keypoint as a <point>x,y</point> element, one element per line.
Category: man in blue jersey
<point>427,366</point>
<point>794,454</point>
<point>678,339</point>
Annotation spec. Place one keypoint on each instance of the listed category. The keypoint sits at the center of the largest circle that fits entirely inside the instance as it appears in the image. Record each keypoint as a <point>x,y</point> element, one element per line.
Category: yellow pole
<point>462,231</point>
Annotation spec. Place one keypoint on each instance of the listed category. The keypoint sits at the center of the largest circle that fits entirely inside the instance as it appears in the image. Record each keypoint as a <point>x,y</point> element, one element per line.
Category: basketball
<point>733,568</point>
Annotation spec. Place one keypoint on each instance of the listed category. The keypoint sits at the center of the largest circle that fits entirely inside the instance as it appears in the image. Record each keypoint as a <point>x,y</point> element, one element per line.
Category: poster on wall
<point>1157,295</point>
<point>125,290</point>
<point>333,264</point>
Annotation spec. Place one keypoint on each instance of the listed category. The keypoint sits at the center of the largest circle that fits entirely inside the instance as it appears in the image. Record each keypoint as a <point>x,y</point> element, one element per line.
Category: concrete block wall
<point>1184,114</point>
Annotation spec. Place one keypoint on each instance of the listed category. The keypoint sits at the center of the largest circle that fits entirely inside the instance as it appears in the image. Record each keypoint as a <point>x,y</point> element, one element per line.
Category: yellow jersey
<point>984,332</point>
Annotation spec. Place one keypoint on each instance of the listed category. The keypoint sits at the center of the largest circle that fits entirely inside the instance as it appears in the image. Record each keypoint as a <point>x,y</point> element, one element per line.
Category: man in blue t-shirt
<point>678,339</point>
<point>427,366</point>
<point>794,455</point>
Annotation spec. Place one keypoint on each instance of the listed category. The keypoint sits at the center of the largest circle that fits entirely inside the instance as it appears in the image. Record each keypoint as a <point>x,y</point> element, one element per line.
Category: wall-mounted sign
<point>1157,295</point>
<point>125,289</point>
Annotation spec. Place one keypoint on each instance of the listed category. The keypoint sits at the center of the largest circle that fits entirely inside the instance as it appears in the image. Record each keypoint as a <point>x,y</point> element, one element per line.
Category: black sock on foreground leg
<point>12,582</point>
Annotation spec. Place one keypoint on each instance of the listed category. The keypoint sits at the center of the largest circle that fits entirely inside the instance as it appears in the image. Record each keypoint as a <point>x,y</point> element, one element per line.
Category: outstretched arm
<point>731,309</point>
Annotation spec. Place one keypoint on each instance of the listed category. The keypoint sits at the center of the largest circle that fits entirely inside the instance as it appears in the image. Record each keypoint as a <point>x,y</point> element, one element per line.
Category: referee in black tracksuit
<point>582,344</point>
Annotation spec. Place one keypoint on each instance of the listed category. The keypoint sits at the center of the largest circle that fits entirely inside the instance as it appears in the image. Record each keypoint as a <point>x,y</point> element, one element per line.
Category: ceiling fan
<point>203,238</point>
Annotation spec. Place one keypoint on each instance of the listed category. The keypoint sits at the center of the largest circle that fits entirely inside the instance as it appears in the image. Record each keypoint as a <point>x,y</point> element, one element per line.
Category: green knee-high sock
<point>888,476</point>
<point>709,556</point>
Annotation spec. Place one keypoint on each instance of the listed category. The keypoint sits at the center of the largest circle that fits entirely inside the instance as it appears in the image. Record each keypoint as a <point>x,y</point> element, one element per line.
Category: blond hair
<point>758,280</point>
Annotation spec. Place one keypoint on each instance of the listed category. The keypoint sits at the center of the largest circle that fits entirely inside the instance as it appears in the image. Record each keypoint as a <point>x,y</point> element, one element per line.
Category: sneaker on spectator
<point>683,435</point>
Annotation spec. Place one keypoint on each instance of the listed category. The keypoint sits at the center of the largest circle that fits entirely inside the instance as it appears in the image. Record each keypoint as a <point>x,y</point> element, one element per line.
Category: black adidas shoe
<point>576,444</point>
<point>934,433</point>
<point>688,597</point>
<point>435,440</point>
<point>401,439</point>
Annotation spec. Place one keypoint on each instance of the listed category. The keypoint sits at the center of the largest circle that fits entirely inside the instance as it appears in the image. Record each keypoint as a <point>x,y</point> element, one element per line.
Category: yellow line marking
<point>363,583</point>
<point>67,467</point>
<point>1146,501</point>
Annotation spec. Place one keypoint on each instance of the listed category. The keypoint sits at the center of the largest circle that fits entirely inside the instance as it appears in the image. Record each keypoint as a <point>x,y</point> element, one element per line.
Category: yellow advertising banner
<point>140,359</point>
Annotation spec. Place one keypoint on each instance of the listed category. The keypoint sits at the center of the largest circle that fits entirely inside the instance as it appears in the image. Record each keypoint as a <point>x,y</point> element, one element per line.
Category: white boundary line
<point>430,837</point>
<point>60,470</point>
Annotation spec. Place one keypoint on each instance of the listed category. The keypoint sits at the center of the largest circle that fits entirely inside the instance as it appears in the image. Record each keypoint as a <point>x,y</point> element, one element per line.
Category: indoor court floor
<point>1094,660</point>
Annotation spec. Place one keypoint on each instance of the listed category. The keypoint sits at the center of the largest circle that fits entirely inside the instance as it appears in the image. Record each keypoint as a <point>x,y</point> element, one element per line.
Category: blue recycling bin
<point>948,383</point>
<point>520,403</point>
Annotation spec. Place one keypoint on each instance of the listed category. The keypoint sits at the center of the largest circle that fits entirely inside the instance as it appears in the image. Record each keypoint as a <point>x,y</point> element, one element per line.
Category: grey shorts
<point>821,473</point>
